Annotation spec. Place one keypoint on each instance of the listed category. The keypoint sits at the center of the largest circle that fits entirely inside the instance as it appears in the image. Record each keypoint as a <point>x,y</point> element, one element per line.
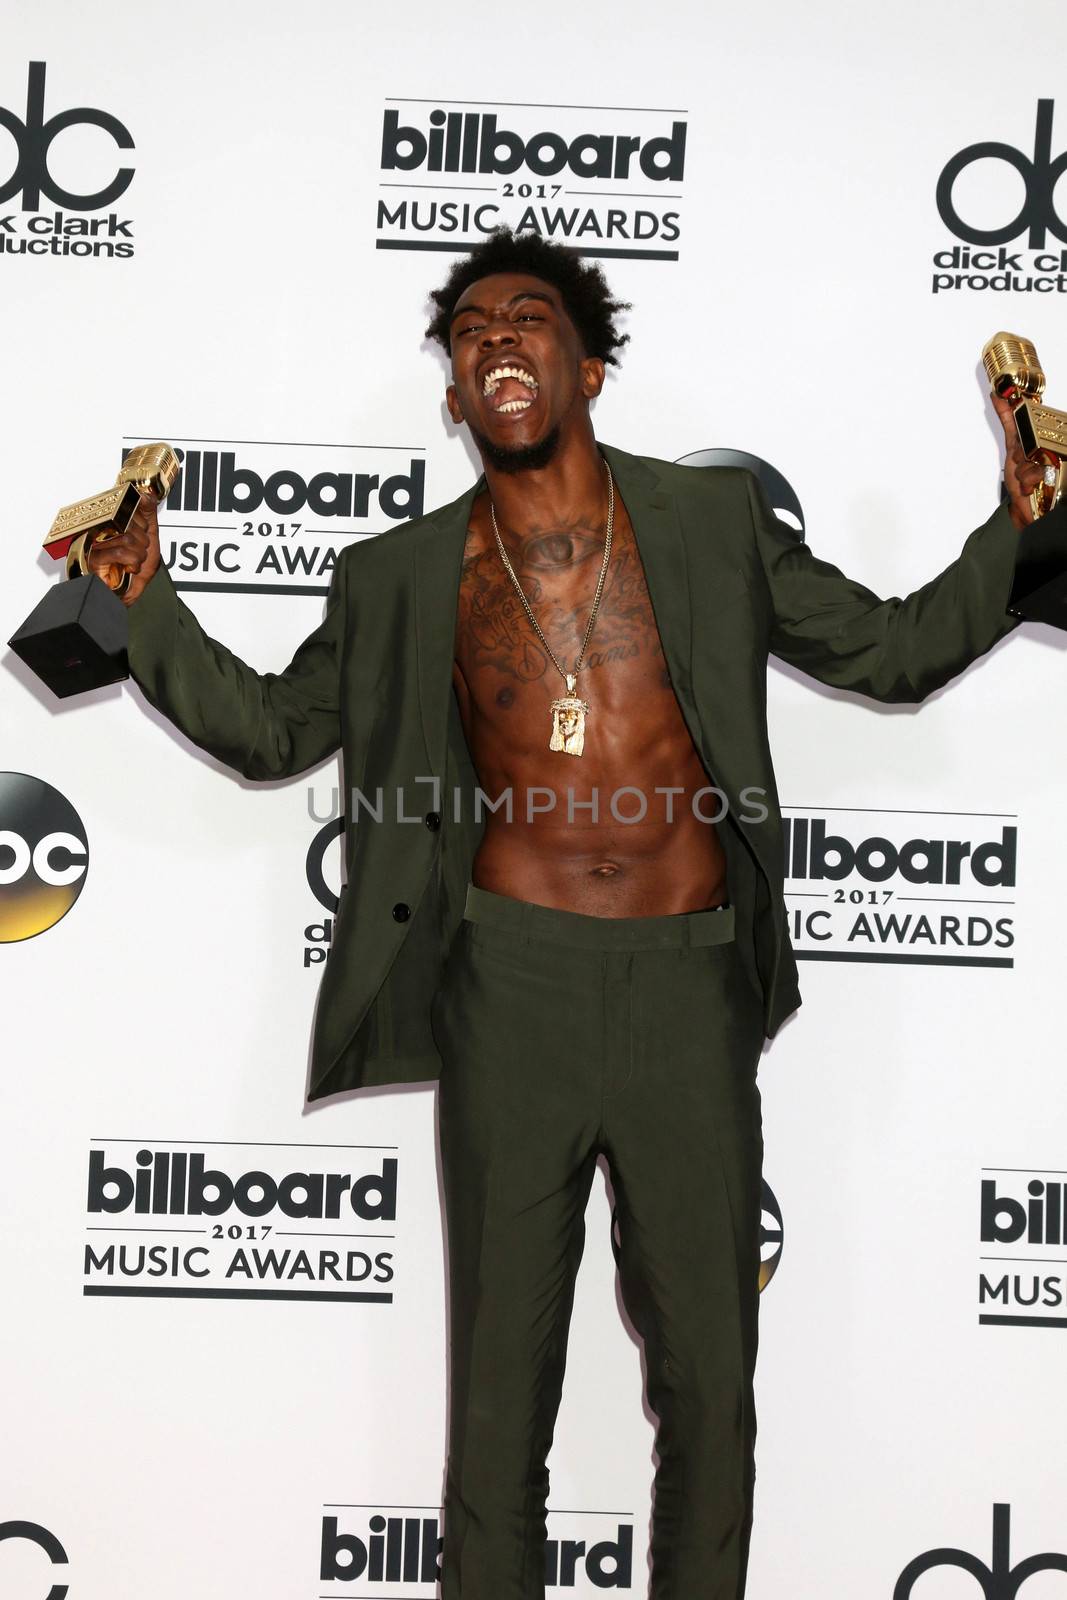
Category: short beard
<point>521,458</point>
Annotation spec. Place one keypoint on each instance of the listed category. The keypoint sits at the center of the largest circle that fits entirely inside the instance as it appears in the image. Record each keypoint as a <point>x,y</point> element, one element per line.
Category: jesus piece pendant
<point>568,721</point>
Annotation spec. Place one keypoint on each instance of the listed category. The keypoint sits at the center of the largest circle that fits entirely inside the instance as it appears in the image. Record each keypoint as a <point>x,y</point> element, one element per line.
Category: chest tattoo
<point>494,632</point>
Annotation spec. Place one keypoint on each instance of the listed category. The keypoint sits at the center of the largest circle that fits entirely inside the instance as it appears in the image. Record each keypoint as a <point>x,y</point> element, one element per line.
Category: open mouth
<point>509,389</point>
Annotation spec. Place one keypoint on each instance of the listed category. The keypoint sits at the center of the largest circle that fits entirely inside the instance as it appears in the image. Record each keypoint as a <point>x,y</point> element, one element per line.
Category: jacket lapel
<point>659,543</point>
<point>438,565</point>
<point>661,546</point>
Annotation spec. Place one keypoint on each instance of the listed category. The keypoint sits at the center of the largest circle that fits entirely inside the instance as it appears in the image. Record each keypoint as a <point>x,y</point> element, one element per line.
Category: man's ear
<point>592,376</point>
<point>455,410</point>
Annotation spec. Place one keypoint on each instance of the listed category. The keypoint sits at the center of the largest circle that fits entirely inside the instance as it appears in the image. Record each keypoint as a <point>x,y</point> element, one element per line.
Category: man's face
<point>513,323</point>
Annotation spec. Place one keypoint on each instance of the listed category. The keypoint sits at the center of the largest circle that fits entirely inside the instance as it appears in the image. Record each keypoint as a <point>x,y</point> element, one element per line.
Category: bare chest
<point>505,667</point>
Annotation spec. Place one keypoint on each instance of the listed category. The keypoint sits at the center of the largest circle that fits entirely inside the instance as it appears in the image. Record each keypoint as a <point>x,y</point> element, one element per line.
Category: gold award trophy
<point>1039,592</point>
<point>76,639</point>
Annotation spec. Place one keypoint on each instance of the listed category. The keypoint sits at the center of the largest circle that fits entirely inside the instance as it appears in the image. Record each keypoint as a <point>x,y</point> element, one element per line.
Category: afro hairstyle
<point>582,287</point>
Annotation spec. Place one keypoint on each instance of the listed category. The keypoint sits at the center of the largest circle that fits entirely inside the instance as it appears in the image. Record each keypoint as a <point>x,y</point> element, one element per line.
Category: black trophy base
<point>1039,590</point>
<point>77,638</point>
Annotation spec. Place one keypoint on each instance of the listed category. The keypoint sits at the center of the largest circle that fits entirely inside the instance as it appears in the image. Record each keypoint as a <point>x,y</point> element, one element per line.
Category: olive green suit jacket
<point>729,585</point>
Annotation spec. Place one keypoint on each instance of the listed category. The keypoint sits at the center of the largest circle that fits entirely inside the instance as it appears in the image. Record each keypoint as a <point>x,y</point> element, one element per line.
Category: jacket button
<point>432,820</point>
<point>401,912</point>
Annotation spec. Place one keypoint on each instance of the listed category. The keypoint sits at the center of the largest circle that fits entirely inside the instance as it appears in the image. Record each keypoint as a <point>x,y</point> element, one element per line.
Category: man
<point>590,963</point>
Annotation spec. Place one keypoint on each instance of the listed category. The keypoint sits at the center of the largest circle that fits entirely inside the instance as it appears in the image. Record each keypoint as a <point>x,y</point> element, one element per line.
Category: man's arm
<point>842,634</point>
<point>265,725</point>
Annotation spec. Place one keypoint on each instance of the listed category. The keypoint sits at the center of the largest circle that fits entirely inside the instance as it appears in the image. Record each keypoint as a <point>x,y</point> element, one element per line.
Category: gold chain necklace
<point>568,712</point>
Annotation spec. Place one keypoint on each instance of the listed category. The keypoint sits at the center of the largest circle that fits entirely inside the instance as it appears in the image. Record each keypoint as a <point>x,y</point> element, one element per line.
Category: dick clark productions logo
<point>981,261</point>
<point>35,232</point>
<point>44,856</point>
<point>999,1581</point>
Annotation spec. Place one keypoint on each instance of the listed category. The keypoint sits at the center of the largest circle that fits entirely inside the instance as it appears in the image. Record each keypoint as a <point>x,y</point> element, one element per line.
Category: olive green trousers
<point>565,1037</point>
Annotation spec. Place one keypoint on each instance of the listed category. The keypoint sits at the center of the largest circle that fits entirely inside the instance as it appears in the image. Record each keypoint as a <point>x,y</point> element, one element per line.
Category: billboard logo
<point>473,141</point>
<point>399,1548</point>
<point>929,888</point>
<point>1022,1278</point>
<point>262,1226</point>
<point>518,164</point>
<point>295,508</point>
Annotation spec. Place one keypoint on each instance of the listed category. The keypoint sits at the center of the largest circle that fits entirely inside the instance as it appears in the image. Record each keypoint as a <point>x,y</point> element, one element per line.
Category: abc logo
<point>44,856</point>
<point>33,139</point>
<point>771,1236</point>
<point>32,1533</point>
<point>779,491</point>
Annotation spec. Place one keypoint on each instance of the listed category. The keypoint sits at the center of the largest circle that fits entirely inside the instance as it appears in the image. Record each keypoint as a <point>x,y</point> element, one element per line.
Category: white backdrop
<point>175,1445</point>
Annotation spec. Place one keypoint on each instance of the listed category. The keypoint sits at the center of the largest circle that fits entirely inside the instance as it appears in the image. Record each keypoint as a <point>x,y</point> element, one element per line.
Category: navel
<point>606,869</point>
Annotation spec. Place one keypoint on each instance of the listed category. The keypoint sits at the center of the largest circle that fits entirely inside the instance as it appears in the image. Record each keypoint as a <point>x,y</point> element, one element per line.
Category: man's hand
<point>136,551</point>
<point>1021,477</point>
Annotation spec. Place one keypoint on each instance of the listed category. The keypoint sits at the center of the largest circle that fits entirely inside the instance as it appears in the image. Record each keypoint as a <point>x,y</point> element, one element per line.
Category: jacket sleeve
<point>898,650</point>
<point>264,725</point>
